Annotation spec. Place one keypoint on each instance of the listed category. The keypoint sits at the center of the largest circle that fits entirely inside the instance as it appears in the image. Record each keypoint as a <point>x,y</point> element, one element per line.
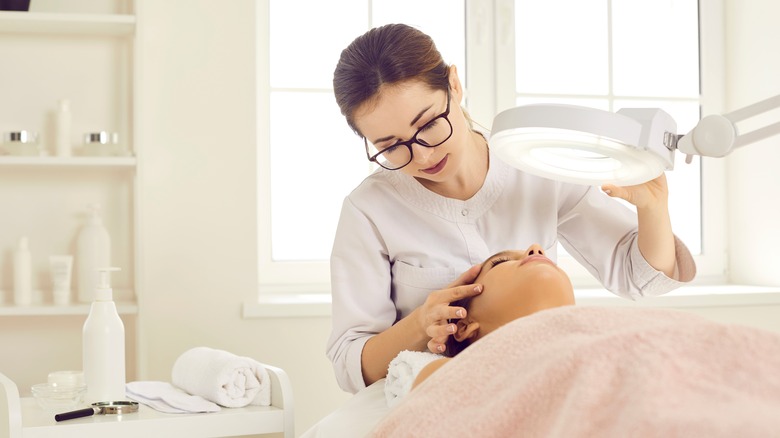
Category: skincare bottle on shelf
<point>22,273</point>
<point>61,267</point>
<point>103,346</point>
<point>93,251</point>
<point>62,144</point>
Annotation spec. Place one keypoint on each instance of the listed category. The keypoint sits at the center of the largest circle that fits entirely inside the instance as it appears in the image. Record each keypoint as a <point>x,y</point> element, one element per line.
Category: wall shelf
<point>37,23</point>
<point>85,51</point>
<point>68,161</point>
<point>123,307</point>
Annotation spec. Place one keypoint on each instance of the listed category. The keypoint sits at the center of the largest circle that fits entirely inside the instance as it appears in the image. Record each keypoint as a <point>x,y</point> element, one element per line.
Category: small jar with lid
<point>23,143</point>
<point>97,144</point>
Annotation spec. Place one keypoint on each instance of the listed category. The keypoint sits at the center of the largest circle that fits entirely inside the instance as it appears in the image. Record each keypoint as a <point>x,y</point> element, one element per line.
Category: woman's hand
<point>652,194</point>
<point>425,326</point>
<point>655,239</point>
<point>434,313</point>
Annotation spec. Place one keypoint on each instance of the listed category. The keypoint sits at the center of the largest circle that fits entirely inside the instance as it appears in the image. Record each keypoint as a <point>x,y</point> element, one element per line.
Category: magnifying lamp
<point>590,146</point>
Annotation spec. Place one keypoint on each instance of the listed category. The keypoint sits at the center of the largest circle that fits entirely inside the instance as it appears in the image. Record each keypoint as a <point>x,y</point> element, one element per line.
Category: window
<point>310,160</point>
<point>604,53</point>
<point>612,54</point>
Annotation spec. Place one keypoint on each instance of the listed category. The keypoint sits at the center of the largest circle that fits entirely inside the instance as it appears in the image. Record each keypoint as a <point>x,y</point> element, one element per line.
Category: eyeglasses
<point>430,135</point>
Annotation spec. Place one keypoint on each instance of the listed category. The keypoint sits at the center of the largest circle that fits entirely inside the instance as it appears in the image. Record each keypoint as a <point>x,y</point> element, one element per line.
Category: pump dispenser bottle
<point>93,251</point>
<point>103,341</point>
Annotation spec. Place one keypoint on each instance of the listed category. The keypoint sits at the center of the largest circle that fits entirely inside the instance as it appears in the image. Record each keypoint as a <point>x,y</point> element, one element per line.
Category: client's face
<point>517,284</point>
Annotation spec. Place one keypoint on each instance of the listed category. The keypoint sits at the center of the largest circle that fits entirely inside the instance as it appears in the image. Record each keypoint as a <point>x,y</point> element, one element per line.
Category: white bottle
<point>62,144</point>
<point>93,252</point>
<point>23,273</point>
<point>103,347</point>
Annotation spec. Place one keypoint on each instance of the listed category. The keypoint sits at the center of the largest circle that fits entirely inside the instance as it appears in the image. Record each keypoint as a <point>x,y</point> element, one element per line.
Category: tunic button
<point>464,212</point>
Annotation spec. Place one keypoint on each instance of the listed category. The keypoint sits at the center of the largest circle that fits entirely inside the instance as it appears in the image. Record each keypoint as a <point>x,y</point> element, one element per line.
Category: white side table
<point>250,420</point>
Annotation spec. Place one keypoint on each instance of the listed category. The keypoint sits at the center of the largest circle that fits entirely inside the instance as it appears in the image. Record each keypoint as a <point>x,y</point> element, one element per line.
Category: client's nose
<point>535,249</point>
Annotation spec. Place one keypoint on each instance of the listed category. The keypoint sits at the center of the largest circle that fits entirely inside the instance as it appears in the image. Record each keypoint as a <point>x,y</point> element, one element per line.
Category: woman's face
<point>517,284</point>
<point>399,111</point>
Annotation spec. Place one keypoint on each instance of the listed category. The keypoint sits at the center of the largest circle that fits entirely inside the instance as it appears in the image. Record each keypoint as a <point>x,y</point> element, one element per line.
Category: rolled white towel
<point>402,371</point>
<point>222,377</point>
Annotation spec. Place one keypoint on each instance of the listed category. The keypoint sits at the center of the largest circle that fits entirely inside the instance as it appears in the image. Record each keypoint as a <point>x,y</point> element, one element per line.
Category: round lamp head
<point>583,145</point>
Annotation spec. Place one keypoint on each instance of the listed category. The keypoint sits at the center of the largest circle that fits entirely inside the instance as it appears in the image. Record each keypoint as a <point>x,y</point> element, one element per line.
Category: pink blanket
<point>602,372</point>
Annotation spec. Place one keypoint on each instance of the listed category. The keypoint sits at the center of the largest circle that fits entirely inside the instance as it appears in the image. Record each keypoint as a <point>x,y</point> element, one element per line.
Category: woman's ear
<point>455,85</point>
<point>465,330</point>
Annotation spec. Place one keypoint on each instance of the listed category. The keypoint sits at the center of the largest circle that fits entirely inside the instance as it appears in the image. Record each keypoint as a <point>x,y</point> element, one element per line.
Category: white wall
<point>198,258</point>
<point>198,255</point>
<point>753,74</point>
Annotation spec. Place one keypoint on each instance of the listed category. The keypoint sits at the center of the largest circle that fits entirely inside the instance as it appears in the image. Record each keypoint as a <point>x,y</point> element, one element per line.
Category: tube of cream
<point>61,268</point>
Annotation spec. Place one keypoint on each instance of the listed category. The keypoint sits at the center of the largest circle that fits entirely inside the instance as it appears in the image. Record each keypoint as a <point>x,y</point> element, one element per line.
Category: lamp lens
<point>575,159</point>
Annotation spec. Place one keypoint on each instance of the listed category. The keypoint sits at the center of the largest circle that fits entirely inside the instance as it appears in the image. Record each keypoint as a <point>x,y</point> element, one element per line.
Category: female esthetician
<point>441,202</point>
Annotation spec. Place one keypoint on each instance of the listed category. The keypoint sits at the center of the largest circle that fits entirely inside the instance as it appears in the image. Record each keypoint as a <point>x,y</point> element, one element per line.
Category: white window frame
<point>276,277</point>
<point>492,25</point>
<point>490,36</point>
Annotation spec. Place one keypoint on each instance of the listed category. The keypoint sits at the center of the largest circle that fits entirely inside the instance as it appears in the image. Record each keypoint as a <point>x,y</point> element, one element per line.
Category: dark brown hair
<point>388,54</point>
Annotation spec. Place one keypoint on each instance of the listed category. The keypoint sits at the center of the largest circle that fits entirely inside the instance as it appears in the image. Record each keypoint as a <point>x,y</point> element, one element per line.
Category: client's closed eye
<point>498,261</point>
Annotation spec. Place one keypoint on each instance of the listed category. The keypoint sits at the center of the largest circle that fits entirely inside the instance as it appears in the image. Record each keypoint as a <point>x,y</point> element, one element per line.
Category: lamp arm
<point>757,134</point>
<point>716,135</point>
<point>754,109</point>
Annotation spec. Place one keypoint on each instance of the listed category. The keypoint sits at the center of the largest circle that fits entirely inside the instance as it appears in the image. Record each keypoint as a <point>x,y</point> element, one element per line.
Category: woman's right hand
<point>434,314</point>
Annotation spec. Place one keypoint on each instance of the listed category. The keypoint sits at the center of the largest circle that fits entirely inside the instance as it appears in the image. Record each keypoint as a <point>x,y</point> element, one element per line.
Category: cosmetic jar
<point>66,378</point>
<point>97,144</point>
<point>23,143</point>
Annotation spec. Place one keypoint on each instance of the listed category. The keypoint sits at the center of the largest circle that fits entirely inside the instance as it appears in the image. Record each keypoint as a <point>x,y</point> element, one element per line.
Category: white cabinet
<point>83,51</point>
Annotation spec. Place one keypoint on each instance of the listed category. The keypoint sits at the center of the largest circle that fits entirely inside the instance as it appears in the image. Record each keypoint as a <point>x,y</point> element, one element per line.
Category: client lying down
<point>530,363</point>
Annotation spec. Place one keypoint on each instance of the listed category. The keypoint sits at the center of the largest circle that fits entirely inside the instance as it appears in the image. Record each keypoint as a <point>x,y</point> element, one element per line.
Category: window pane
<point>561,46</point>
<point>567,54</point>
<point>316,161</point>
<point>656,47</point>
<point>306,43</point>
<point>685,201</point>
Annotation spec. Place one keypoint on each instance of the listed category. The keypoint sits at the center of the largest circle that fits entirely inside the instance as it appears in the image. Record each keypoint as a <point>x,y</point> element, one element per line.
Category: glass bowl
<point>54,397</point>
<point>66,378</point>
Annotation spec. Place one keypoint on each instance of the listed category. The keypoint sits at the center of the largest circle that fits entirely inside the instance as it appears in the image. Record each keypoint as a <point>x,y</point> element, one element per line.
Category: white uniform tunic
<point>397,241</point>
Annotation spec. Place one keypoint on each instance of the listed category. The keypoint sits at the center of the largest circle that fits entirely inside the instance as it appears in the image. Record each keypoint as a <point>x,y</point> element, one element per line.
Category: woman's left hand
<point>651,194</point>
<point>655,238</point>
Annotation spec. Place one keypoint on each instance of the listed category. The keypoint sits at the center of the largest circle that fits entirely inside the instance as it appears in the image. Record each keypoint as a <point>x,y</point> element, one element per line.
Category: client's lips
<point>437,168</point>
<point>534,258</point>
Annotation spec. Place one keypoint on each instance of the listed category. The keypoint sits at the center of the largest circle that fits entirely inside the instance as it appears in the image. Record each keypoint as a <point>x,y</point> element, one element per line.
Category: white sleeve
<point>360,288</point>
<point>601,234</point>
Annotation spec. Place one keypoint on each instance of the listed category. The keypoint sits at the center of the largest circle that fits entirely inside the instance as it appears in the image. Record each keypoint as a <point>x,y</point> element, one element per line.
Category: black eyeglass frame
<point>408,143</point>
